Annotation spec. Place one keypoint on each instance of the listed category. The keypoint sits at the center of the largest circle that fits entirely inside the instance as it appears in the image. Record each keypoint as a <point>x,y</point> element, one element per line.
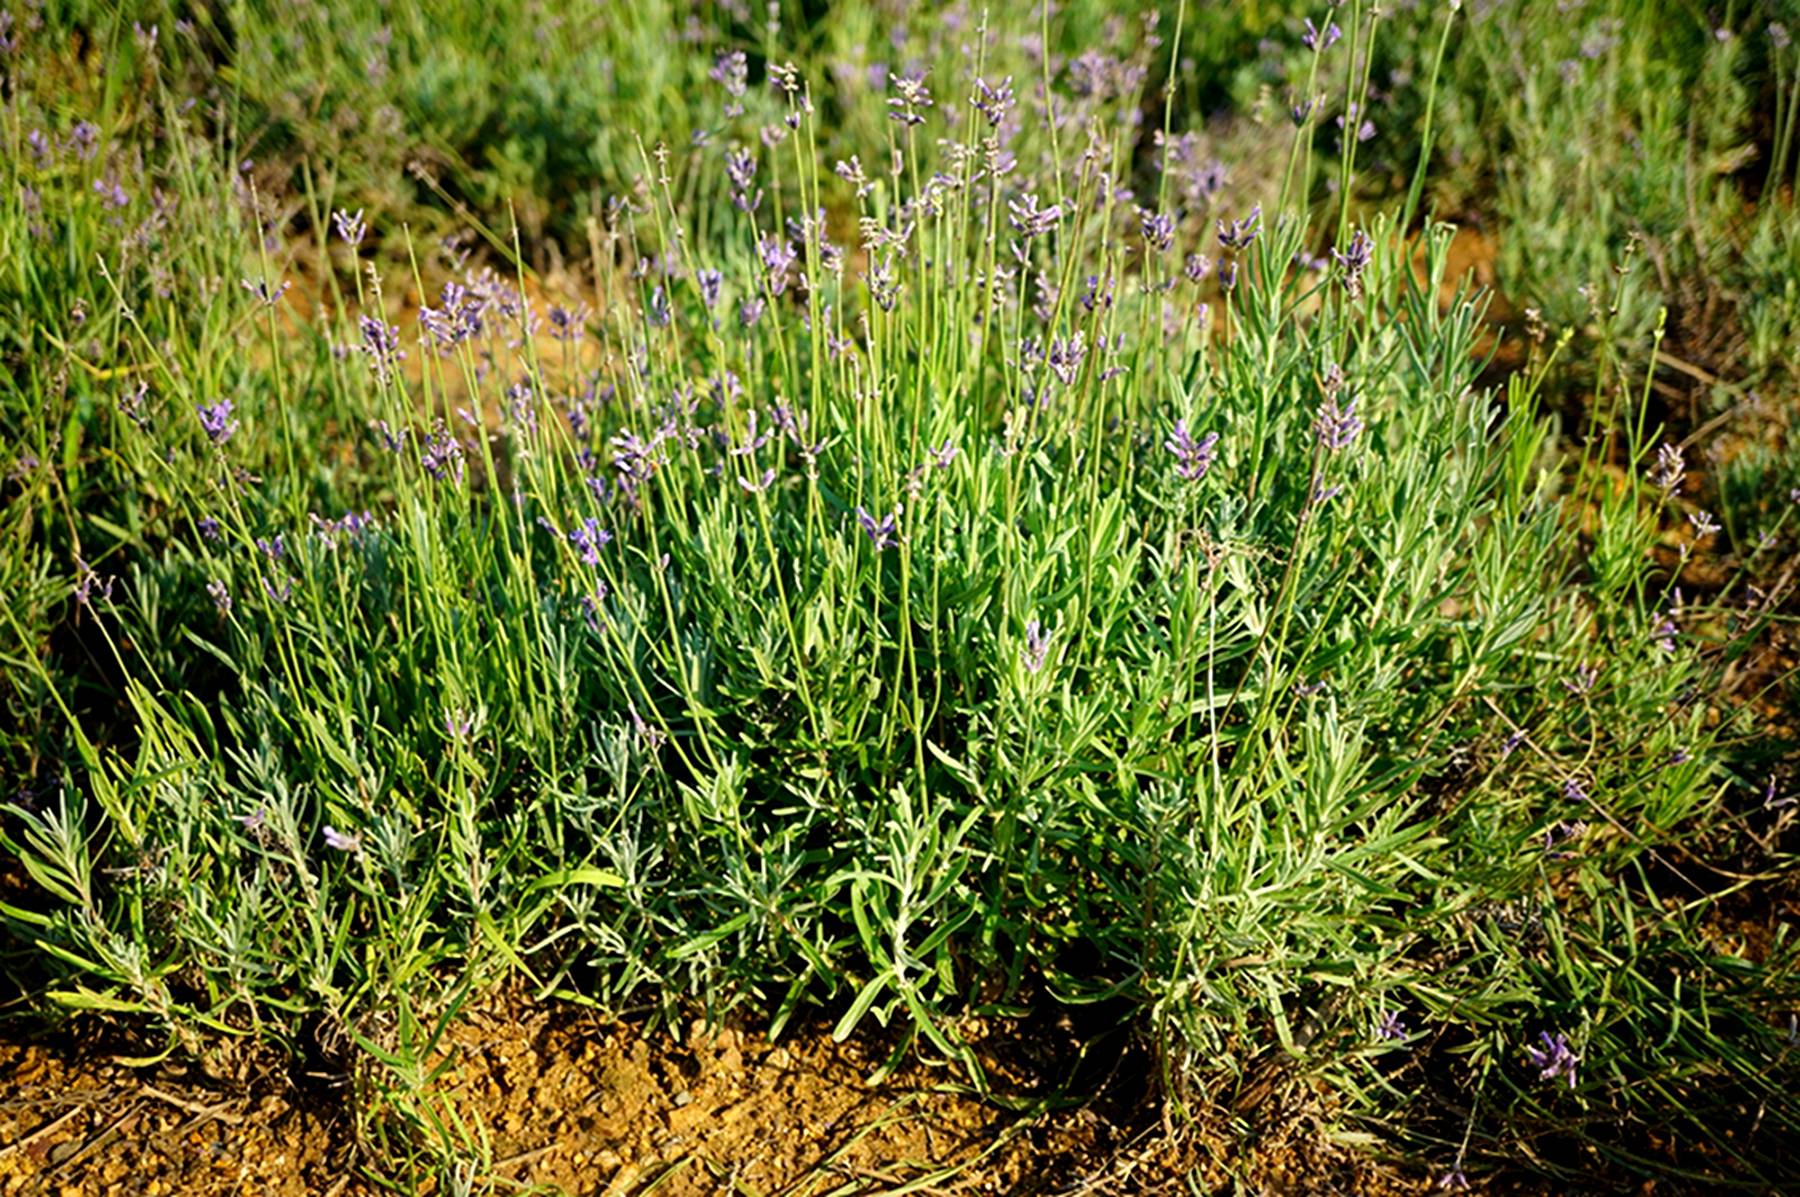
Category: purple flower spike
<point>1668,470</point>
<point>1158,229</point>
<point>1552,1058</point>
<point>350,226</point>
<point>1312,39</point>
<point>882,533</point>
<point>1338,426</point>
<point>993,102</point>
<point>1192,457</point>
<point>88,584</point>
<point>1036,648</point>
<point>589,539</point>
<point>1355,258</point>
<point>1240,233</point>
<point>264,293</point>
<point>1029,220</point>
<point>217,421</point>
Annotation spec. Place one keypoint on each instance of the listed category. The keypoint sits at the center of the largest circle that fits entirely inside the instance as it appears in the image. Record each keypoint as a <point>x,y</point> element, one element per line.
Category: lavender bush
<point>951,542</point>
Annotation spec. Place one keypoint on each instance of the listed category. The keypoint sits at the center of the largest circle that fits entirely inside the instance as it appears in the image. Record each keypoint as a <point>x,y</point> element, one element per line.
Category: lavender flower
<point>882,533</point>
<point>265,295</point>
<point>731,70</point>
<point>778,258</point>
<point>1582,680</point>
<point>131,402</point>
<point>1390,1026</point>
<point>1158,229</point>
<point>943,455</point>
<point>221,596</point>
<point>1511,744</point>
<point>88,584</point>
<point>1453,1181</point>
<point>442,455</point>
<point>1240,233</point>
<point>589,539</point>
<point>1066,356</point>
<point>1035,649</point>
<point>341,842</point>
<point>85,138</point>
<point>1664,631</point>
<point>1312,39</point>
<point>1667,471</point>
<point>1553,1057</point>
<point>750,311</point>
<point>1337,427</point>
<point>1704,524</point>
<point>913,96</point>
<point>568,324</point>
<point>458,724</point>
<point>217,421</point>
<point>1192,458</point>
<point>1029,220</point>
<point>852,172</point>
<point>993,102</point>
<point>381,342</point>
<point>350,226</point>
<point>1354,258</point>
<point>209,528</point>
<point>709,282</point>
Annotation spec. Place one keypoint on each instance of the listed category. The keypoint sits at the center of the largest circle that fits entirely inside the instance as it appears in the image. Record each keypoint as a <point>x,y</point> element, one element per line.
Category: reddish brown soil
<point>568,1103</point>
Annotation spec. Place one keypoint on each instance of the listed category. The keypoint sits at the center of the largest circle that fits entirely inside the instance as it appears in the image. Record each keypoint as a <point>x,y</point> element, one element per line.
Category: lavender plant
<point>954,552</point>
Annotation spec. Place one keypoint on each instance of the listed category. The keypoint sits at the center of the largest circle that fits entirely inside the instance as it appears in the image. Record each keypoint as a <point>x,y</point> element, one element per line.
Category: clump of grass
<point>987,565</point>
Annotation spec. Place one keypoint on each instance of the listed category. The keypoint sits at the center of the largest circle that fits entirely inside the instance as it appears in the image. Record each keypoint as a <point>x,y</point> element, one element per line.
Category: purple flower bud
<point>341,842</point>
<point>731,70</point>
<point>1354,259</point>
<point>1240,233</point>
<point>589,539</point>
<point>1028,220</point>
<point>1312,39</point>
<point>1553,1058</point>
<point>266,295</point>
<point>1390,1026</point>
<point>1668,470</point>
<point>882,533</point>
<point>217,421</point>
<point>1337,427</point>
<point>1158,229</point>
<point>1035,649</point>
<point>381,342</point>
<point>1192,458</point>
<point>88,584</point>
<point>221,596</point>
<point>349,226</point>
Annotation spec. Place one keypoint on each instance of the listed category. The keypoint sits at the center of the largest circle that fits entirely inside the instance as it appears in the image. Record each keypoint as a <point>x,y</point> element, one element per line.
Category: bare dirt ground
<point>569,1103</point>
